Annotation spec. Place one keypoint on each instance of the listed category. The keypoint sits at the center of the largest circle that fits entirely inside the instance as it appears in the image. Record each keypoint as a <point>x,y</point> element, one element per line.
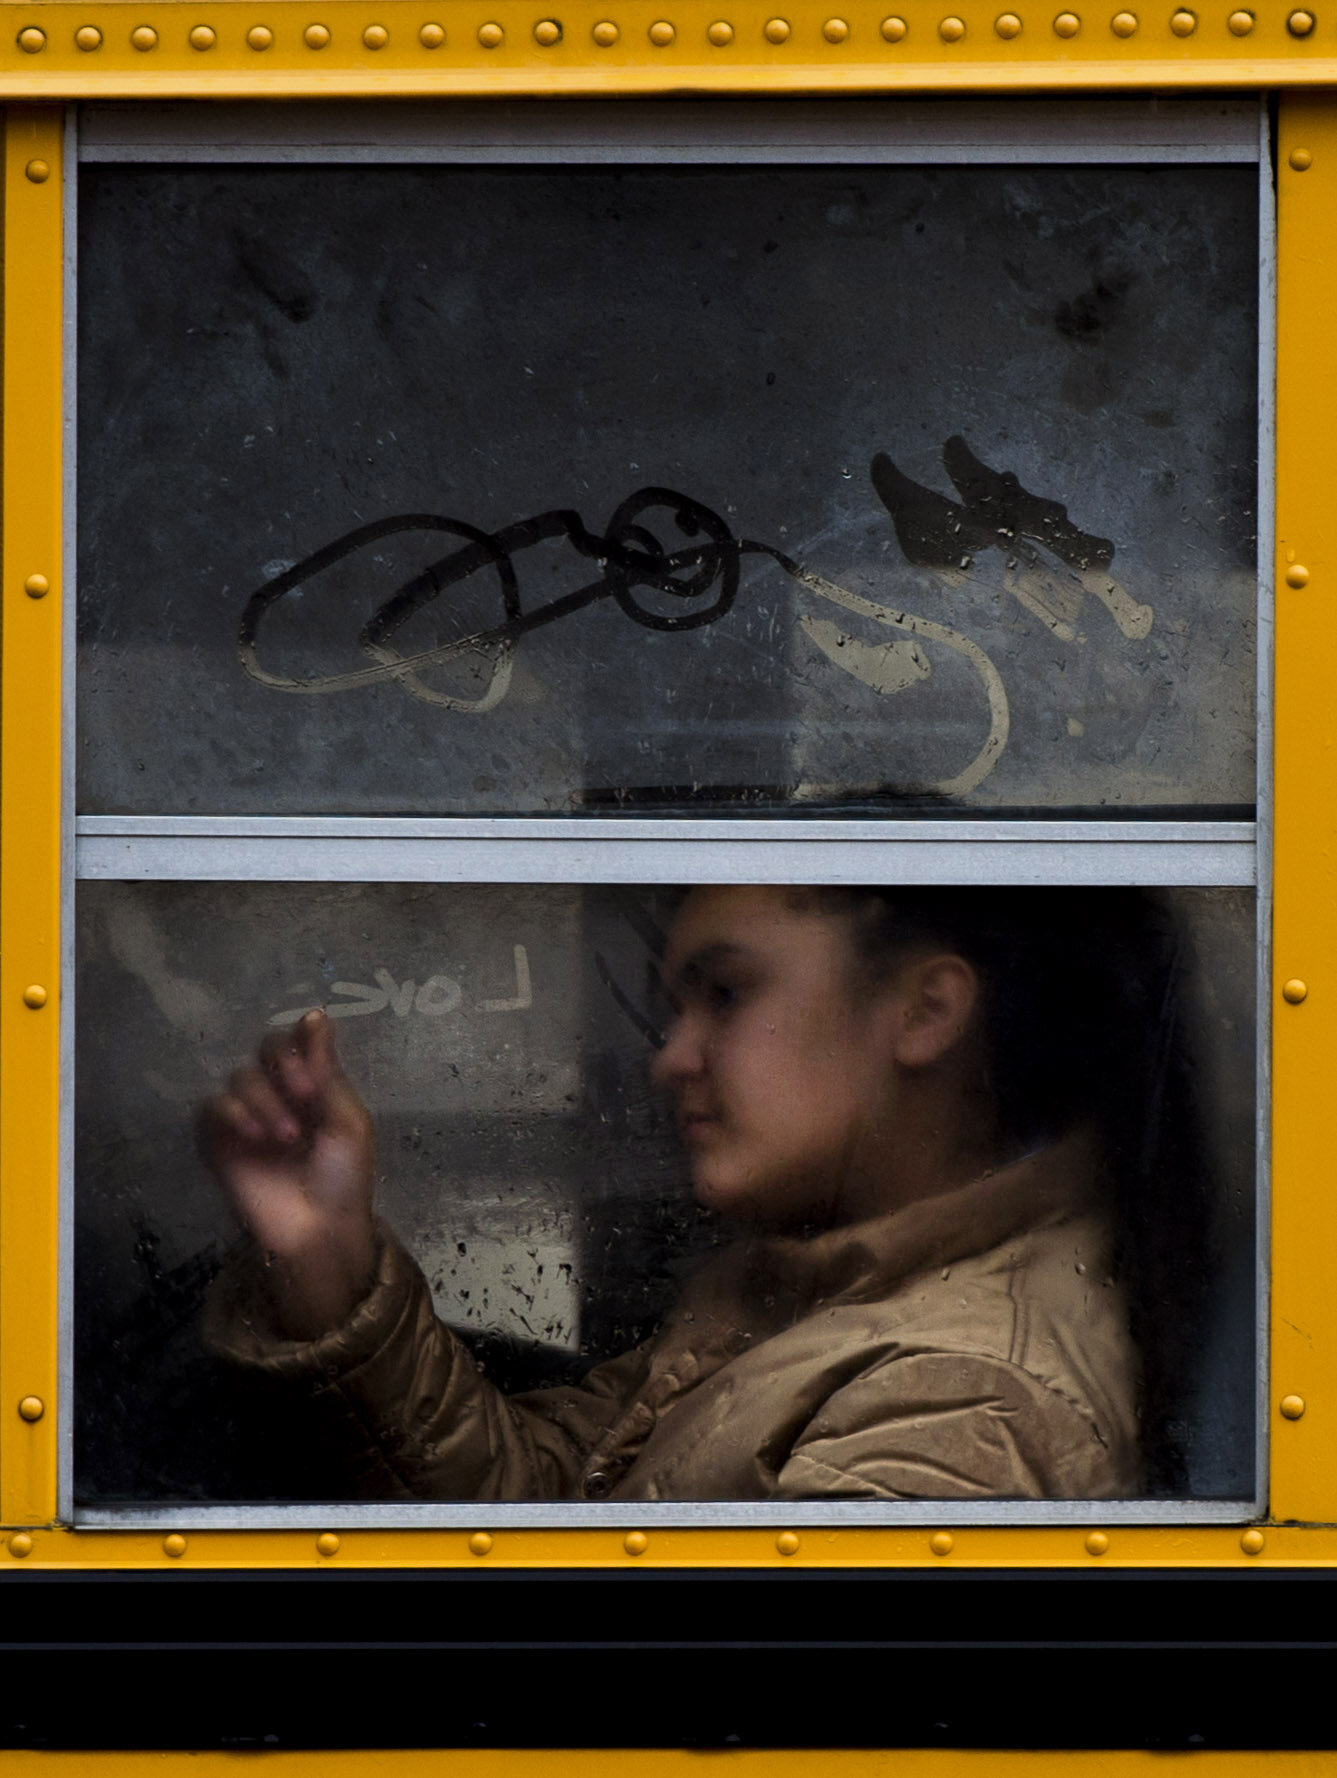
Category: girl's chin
<point>743,1199</point>
<point>777,1204</point>
<point>714,1189</point>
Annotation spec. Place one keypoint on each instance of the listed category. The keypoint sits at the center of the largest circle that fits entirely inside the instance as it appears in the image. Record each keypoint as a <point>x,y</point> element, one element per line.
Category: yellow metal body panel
<point>506,47</point>
<point>1304,1219</point>
<point>30,799</point>
<point>1302,1526</point>
<point>995,1546</point>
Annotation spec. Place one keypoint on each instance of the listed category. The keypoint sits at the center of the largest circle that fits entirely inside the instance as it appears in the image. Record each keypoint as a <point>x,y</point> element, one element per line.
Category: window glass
<point>468,490</point>
<point>729,1194</point>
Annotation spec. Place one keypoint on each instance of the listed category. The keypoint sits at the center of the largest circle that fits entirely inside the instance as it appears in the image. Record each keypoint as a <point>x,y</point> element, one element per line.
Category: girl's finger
<point>225,1121</point>
<point>255,1090</point>
<point>315,1033</point>
<point>283,1059</point>
<point>342,1103</point>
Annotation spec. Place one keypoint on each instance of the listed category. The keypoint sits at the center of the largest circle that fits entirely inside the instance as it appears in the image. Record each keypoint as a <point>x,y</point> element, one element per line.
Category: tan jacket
<point>970,1346</point>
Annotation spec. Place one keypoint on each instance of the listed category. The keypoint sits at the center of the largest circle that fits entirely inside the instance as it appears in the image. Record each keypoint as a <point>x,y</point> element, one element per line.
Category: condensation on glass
<point>526,1057</point>
<point>411,489</point>
<point>512,490</point>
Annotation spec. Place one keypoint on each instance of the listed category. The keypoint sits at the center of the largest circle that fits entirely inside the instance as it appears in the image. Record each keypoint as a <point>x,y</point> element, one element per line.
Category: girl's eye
<point>722,996</point>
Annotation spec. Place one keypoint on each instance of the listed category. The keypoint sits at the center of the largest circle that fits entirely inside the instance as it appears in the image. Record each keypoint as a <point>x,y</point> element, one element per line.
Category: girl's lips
<point>695,1123</point>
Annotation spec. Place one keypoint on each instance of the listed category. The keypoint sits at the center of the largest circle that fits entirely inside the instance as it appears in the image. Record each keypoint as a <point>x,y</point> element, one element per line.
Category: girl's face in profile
<point>780,1066</point>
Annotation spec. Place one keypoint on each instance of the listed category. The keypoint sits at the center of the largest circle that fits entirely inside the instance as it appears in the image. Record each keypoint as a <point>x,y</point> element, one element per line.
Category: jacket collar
<point>765,1283</point>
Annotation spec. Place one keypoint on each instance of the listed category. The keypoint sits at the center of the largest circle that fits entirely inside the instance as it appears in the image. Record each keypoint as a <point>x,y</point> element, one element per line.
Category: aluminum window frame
<point>648,849</point>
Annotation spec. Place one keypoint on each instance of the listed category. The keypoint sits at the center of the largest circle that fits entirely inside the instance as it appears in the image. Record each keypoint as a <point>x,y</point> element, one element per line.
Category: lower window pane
<point>446,1193</point>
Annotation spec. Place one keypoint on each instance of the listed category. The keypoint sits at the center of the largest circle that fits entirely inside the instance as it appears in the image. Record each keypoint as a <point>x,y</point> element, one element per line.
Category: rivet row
<point>491,35</point>
<point>1096,1543</point>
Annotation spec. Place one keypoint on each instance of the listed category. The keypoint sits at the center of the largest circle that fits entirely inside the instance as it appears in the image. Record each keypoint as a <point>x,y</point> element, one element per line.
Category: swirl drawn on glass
<point>1052,568</point>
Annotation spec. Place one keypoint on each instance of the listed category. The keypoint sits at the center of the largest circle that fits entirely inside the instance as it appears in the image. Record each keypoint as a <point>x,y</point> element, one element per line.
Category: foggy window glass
<point>453,1193</point>
<point>451,490</point>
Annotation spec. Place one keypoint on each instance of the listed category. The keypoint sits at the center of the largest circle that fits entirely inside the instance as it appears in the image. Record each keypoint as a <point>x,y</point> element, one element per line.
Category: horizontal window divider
<point>648,850</point>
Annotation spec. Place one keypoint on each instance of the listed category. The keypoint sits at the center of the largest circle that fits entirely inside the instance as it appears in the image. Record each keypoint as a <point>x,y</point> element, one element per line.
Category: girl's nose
<point>680,1058</point>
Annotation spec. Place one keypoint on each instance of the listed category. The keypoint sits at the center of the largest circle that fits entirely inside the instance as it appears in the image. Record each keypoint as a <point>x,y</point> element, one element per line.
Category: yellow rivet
<point>144,37</point>
<point>547,32</point>
<point>376,37</point>
<point>1292,1406</point>
<point>480,1543</point>
<point>432,36</point>
<point>776,30</point>
<point>491,35</point>
<point>661,33</point>
<point>1067,24</point>
<point>174,1544</point>
<point>720,33</point>
<point>31,39</point>
<point>32,1407</point>
<point>327,1544</point>
<point>1301,160</point>
<point>635,1543</point>
<point>1252,1542</point>
<point>1297,575</point>
<point>34,995</point>
<point>37,586</point>
<point>1300,24</point>
<point>1096,1543</point>
<point>259,37</point>
<point>893,29</point>
<point>787,1543</point>
<point>605,33</point>
<point>316,36</point>
<point>835,30</point>
<point>203,37</point>
<point>38,171</point>
<point>1124,24</point>
<point>1240,23</point>
<point>20,1544</point>
<point>88,37</point>
<point>951,29</point>
<point>1184,23</point>
<point>1294,990</point>
<point>1007,24</point>
<point>941,1543</point>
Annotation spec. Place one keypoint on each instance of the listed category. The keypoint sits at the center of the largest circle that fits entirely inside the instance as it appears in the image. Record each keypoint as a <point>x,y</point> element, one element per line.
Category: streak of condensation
<point>191,1007</point>
<point>1058,602</point>
<point>901,675</point>
<point>884,666</point>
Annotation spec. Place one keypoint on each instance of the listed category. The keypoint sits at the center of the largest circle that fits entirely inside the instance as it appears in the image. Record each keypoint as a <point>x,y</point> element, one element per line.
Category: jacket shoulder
<point>943,1422</point>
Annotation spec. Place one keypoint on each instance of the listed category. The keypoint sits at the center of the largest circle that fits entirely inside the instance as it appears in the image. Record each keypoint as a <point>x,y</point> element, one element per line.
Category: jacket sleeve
<point>406,1400</point>
<point>952,1426</point>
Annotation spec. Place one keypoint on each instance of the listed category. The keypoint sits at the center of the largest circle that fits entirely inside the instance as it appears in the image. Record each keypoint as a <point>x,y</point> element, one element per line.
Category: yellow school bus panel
<point>30,727</point>
<point>53,52</point>
<point>498,47</point>
<point>1304,1013</point>
<point>1090,1546</point>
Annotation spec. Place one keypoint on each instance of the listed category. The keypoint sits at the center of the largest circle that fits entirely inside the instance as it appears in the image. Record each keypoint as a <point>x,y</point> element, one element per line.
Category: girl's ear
<point>937,998</point>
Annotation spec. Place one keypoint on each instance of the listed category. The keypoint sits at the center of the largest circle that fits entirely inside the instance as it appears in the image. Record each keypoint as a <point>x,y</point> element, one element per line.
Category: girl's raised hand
<point>291,1143</point>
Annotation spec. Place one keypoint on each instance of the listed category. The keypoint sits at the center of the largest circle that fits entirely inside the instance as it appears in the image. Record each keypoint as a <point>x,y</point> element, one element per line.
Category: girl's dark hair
<point>1084,1022</point>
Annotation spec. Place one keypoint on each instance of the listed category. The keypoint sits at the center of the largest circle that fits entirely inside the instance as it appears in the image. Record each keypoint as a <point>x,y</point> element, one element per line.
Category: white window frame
<point>636,849</point>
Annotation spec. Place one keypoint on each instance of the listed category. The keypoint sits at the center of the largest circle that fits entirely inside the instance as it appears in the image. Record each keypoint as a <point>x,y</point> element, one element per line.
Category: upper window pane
<point>449,491</point>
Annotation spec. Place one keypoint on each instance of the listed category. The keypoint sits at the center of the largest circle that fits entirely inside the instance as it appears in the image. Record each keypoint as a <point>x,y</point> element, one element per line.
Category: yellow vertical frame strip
<point>1303,1401</point>
<point>30,813</point>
